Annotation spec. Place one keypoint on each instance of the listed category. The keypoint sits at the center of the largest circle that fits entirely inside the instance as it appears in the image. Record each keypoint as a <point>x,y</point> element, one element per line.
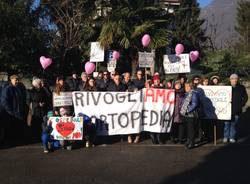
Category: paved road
<point>122,163</point>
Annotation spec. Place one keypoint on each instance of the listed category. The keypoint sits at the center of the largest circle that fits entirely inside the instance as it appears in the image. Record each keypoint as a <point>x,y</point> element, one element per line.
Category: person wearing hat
<point>214,80</point>
<point>239,99</point>
<point>156,82</point>
<point>14,103</point>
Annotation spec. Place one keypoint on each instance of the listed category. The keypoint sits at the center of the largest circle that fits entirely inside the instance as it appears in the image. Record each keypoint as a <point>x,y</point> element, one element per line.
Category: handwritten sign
<point>67,128</point>
<point>216,101</point>
<point>64,99</point>
<point>96,52</point>
<point>146,59</point>
<point>176,64</point>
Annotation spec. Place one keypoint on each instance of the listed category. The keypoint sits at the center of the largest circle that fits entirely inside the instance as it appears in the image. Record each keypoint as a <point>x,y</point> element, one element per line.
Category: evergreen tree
<point>187,27</point>
<point>243,24</point>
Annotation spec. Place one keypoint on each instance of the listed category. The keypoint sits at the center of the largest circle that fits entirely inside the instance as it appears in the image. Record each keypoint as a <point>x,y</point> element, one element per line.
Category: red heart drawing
<point>65,128</point>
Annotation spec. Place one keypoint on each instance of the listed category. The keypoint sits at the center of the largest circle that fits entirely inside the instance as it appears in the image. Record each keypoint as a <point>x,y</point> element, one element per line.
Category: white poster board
<point>67,128</point>
<point>146,59</point>
<point>216,101</point>
<point>96,52</point>
<point>176,64</point>
<point>64,99</point>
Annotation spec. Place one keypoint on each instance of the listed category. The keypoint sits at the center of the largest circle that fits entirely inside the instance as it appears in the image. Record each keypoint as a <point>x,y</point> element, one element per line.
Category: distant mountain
<point>221,19</point>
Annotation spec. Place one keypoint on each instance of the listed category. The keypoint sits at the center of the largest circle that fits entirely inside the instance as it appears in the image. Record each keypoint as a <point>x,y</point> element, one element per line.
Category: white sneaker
<point>232,141</point>
<point>87,144</point>
<point>225,140</point>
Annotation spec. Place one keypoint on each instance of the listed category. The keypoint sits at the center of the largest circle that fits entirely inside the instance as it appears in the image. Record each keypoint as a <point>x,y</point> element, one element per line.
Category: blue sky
<point>204,2</point>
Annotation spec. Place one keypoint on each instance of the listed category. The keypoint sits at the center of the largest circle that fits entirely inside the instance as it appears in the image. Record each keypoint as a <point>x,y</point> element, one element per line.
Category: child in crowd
<point>47,140</point>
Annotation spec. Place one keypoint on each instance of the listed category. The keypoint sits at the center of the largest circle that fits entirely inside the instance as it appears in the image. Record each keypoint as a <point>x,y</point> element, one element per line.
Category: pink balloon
<point>194,55</point>
<point>179,49</point>
<point>145,40</point>
<point>116,55</point>
<point>89,67</point>
<point>45,62</point>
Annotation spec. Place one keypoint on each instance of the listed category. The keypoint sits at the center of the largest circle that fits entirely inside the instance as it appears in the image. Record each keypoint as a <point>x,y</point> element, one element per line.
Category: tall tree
<point>126,23</point>
<point>72,23</point>
<point>22,40</point>
<point>188,27</point>
<point>243,24</point>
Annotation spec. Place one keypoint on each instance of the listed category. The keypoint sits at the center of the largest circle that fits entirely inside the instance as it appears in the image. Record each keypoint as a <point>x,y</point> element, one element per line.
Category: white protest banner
<point>146,59</point>
<point>159,108</point>
<point>96,52</point>
<point>176,64</point>
<point>118,113</point>
<point>64,99</point>
<point>67,128</point>
<point>216,101</point>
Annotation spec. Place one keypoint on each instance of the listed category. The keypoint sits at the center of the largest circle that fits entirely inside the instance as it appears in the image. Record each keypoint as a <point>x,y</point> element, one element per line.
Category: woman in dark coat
<point>178,128</point>
<point>38,103</point>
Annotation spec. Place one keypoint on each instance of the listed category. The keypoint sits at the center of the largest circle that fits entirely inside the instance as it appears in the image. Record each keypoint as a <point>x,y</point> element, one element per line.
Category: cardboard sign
<point>96,52</point>
<point>111,65</point>
<point>67,128</point>
<point>146,59</point>
<point>176,64</point>
<point>216,101</point>
<point>64,99</point>
<point>117,113</point>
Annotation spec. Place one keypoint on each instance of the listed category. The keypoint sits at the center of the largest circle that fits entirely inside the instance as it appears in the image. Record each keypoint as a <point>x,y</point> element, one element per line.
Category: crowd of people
<point>24,113</point>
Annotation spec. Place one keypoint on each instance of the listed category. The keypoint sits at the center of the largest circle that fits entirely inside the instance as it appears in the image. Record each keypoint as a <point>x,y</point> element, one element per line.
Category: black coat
<point>102,84</point>
<point>129,86</point>
<point>73,84</point>
<point>113,87</point>
<point>239,99</point>
<point>82,86</point>
<point>13,101</point>
<point>36,96</point>
<point>139,84</point>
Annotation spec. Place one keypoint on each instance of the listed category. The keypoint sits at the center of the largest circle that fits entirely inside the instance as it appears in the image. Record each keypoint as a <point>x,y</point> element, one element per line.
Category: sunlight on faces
<point>127,77</point>
<point>188,87</point>
<point>234,81</point>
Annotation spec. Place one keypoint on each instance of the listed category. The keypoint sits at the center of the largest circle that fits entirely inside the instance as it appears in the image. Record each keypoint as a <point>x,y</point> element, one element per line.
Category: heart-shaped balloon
<point>179,49</point>
<point>89,67</point>
<point>116,55</point>
<point>45,62</point>
<point>145,40</point>
<point>194,55</point>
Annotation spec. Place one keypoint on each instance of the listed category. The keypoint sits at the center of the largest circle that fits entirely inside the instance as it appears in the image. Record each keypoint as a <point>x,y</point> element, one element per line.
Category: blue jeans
<point>46,139</point>
<point>230,128</point>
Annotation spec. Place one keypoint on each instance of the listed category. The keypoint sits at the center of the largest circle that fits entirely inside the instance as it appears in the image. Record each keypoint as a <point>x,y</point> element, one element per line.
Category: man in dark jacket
<point>73,82</point>
<point>239,99</point>
<point>116,84</point>
<point>14,103</point>
<point>102,84</point>
<point>139,82</point>
<point>83,82</point>
<point>128,83</point>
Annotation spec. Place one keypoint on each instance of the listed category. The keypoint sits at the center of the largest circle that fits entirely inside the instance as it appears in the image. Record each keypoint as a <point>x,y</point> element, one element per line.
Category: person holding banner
<point>90,86</point>
<point>102,84</point>
<point>116,84</point>
<point>83,82</point>
<point>128,82</point>
<point>189,110</point>
<point>239,99</point>
<point>215,80</point>
<point>156,137</point>
<point>139,81</point>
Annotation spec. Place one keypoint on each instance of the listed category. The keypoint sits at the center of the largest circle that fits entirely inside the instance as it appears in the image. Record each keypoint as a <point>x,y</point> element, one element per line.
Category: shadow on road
<point>229,164</point>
